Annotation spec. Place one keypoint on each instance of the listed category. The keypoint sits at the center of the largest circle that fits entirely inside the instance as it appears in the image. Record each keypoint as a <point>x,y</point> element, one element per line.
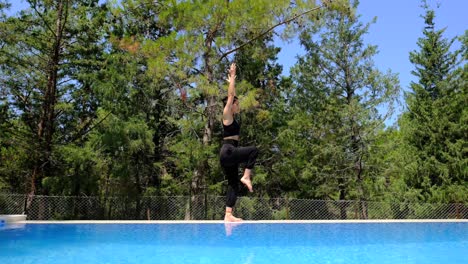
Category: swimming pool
<point>203,243</point>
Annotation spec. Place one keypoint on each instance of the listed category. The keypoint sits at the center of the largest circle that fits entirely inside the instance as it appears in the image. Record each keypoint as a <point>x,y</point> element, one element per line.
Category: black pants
<point>230,157</point>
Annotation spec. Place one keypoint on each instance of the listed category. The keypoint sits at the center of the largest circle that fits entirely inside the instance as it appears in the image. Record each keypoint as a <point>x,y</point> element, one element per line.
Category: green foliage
<point>434,127</point>
<point>334,119</point>
<point>48,61</point>
<point>134,110</point>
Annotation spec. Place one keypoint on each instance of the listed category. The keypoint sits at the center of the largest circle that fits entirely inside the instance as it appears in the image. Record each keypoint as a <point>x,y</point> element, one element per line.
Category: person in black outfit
<point>231,155</point>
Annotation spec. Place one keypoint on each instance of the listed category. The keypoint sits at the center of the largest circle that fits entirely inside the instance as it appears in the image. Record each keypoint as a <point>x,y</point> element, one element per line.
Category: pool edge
<point>246,221</point>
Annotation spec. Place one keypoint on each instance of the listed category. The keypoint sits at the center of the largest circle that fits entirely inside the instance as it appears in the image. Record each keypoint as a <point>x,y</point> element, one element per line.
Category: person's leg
<point>246,155</point>
<point>232,191</point>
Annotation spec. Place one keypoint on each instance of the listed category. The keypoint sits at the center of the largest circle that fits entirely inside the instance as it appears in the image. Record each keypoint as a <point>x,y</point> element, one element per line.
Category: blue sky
<point>396,32</point>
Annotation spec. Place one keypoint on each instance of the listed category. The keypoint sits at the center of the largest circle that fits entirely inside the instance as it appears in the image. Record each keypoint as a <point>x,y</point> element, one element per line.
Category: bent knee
<point>255,152</point>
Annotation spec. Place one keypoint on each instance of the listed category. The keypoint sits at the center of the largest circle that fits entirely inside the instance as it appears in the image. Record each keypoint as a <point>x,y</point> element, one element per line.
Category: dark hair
<point>226,98</point>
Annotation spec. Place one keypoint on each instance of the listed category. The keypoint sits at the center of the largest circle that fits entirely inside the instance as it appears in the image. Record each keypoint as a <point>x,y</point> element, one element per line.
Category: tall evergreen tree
<point>128,141</point>
<point>334,108</point>
<point>432,127</point>
<point>48,60</point>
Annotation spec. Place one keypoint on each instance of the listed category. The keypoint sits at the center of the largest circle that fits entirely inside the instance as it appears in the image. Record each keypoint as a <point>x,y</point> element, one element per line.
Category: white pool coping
<point>247,221</point>
<point>12,218</point>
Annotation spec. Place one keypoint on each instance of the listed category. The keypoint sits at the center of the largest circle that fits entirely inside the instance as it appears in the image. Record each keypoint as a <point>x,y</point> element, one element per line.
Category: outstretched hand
<point>232,73</point>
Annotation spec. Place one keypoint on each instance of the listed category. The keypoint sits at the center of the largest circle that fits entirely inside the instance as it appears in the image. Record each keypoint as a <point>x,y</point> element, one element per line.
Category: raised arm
<point>227,112</point>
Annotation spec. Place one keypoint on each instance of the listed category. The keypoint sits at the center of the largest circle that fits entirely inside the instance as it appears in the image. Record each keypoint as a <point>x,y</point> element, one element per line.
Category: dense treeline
<point>109,99</point>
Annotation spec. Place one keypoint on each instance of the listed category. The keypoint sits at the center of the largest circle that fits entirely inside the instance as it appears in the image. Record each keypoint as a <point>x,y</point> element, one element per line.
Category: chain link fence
<point>206,207</point>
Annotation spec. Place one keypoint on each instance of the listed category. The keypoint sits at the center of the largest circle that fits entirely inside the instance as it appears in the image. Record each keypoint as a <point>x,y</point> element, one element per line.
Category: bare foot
<point>231,218</point>
<point>248,183</point>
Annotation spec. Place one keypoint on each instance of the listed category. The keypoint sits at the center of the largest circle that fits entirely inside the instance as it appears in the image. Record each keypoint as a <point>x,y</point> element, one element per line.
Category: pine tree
<point>334,107</point>
<point>432,127</point>
<point>49,56</point>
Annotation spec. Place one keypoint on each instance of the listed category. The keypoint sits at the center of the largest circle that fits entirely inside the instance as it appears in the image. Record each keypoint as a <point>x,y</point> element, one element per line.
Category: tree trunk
<point>199,175</point>
<point>139,190</point>
<point>342,191</point>
<point>46,126</point>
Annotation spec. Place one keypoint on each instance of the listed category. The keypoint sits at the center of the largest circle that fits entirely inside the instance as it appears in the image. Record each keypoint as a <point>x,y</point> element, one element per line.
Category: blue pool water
<point>246,243</point>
